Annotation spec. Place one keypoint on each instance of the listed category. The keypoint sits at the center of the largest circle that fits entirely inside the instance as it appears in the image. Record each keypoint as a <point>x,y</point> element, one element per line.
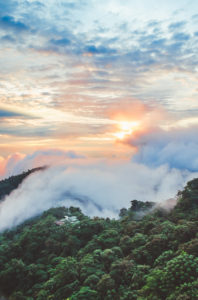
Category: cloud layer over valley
<point>116,82</point>
<point>98,187</point>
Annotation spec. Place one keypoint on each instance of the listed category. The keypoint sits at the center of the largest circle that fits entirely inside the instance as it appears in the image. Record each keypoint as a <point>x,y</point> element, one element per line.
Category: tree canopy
<point>148,253</point>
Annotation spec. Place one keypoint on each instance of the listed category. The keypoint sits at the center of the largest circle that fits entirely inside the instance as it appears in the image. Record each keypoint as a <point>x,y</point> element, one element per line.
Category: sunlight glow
<point>126,129</point>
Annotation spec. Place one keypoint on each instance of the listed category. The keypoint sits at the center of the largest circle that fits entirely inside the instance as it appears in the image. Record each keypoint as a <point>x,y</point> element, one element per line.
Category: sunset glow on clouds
<point>105,94</point>
<point>75,73</point>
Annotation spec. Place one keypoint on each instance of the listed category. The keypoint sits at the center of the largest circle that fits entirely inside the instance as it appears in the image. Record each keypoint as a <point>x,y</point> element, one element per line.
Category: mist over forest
<point>98,150</point>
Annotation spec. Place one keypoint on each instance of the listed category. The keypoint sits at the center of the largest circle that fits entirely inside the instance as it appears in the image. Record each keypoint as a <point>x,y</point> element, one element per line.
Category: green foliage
<point>163,258</point>
<point>121,271</point>
<point>179,271</point>
<point>105,285</point>
<point>85,293</point>
<point>141,206</point>
<point>9,184</point>
<point>151,257</point>
<point>190,247</point>
<point>108,238</point>
<point>92,281</point>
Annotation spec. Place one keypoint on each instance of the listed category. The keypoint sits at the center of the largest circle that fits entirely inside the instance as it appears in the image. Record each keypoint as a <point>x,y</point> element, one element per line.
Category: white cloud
<point>176,147</point>
<point>99,188</point>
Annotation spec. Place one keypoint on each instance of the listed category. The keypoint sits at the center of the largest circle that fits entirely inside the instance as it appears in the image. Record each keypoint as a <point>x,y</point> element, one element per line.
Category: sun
<point>126,128</point>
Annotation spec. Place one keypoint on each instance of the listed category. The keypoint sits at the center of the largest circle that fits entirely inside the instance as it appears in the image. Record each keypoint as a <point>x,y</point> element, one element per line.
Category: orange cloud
<point>8,163</point>
<point>132,110</point>
<point>127,110</point>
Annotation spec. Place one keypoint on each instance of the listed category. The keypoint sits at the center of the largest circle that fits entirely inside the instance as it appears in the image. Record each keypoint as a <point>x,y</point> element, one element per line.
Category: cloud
<point>17,163</point>
<point>4,113</point>
<point>129,109</point>
<point>98,187</point>
<point>99,50</point>
<point>7,38</point>
<point>177,148</point>
<point>20,123</point>
<point>176,25</point>
<point>7,165</point>
<point>181,36</point>
<point>158,43</point>
<point>8,22</point>
<point>77,5</point>
<point>7,6</point>
<point>195,17</point>
<point>19,130</point>
<point>60,42</point>
<point>119,61</point>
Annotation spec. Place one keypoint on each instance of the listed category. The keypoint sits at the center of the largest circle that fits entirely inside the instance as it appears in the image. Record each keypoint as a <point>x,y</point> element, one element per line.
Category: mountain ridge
<point>149,258</point>
<point>11,183</point>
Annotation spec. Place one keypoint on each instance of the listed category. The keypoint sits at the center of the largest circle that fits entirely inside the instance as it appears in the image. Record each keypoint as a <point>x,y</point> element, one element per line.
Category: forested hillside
<point>9,184</point>
<point>148,253</point>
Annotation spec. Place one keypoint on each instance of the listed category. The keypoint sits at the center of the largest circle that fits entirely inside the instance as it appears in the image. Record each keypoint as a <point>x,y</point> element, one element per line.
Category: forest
<point>9,184</point>
<point>147,253</point>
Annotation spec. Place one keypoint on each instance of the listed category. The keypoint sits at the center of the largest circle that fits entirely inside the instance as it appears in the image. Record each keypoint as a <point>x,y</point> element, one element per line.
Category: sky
<point>84,75</point>
<point>105,94</point>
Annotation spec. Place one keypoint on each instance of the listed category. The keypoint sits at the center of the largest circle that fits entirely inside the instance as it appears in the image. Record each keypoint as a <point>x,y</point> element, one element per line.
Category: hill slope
<point>155,257</point>
<point>9,184</point>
